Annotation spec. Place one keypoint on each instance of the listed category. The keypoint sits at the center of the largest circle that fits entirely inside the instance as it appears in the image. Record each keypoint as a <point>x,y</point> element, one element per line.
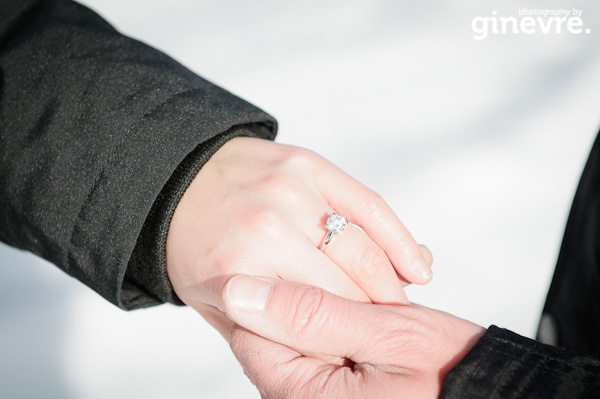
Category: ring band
<point>335,224</point>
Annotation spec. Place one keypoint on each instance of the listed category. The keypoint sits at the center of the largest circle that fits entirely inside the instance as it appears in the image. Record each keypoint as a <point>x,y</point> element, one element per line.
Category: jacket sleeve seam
<point>113,153</point>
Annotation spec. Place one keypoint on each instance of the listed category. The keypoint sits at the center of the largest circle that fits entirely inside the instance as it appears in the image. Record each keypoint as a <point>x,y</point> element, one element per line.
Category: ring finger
<point>366,264</point>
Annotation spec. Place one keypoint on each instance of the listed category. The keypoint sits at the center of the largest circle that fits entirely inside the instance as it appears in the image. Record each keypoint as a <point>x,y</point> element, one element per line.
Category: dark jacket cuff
<point>146,281</point>
<point>93,124</point>
<point>506,365</point>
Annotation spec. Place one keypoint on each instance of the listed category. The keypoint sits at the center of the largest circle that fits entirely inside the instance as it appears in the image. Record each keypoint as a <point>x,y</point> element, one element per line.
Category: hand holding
<point>259,208</point>
<point>398,351</point>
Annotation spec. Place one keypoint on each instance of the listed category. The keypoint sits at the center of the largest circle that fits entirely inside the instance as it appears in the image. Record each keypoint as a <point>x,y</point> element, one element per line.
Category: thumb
<point>308,319</point>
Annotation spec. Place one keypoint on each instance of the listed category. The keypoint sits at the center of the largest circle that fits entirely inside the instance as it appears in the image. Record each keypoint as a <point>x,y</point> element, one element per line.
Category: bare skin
<point>395,351</point>
<point>259,208</point>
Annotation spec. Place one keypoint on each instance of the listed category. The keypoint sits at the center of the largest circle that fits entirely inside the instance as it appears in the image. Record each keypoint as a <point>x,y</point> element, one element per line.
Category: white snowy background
<point>477,145</point>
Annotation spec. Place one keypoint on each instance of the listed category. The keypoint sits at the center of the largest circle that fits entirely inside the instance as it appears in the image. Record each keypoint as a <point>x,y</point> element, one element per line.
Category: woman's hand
<point>259,208</point>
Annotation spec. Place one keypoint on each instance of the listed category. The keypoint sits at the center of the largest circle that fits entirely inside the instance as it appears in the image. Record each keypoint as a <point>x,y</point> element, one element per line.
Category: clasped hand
<point>397,351</point>
<point>259,208</point>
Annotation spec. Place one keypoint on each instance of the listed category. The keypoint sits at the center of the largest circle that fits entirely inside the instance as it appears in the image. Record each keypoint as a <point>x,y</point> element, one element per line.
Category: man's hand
<point>259,208</point>
<point>397,351</point>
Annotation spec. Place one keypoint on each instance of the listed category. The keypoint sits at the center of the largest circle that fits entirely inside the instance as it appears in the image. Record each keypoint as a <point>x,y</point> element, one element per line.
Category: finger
<point>224,326</point>
<point>294,260</point>
<point>310,267</point>
<point>367,209</point>
<point>427,255</point>
<point>312,320</point>
<point>367,265</point>
<point>428,259</point>
<point>265,363</point>
<point>280,372</point>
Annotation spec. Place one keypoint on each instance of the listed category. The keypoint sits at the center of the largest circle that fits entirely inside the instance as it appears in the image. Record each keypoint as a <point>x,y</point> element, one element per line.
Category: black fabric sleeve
<point>506,365</point>
<point>146,280</point>
<point>92,127</point>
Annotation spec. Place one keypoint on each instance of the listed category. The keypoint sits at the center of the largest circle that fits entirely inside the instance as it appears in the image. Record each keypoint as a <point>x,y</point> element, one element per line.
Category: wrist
<point>458,336</point>
<point>185,196</point>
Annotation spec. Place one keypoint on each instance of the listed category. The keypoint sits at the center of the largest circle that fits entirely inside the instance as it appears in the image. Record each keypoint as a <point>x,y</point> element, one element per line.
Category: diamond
<point>336,223</point>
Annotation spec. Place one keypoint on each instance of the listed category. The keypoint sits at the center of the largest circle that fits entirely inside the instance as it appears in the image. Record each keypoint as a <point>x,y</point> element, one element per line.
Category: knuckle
<point>307,317</point>
<point>409,336</point>
<point>283,187</point>
<point>298,157</point>
<point>371,263</point>
<point>263,219</point>
<point>301,162</point>
<point>373,205</point>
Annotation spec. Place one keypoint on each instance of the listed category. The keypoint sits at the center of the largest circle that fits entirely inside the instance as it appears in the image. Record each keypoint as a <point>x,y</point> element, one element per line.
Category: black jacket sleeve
<point>506,365</point>
<point>99,137</point>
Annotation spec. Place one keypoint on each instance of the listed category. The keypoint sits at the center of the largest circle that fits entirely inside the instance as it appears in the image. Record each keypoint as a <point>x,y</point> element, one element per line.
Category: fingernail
<point>248,294</point>
<point>420,267</point>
